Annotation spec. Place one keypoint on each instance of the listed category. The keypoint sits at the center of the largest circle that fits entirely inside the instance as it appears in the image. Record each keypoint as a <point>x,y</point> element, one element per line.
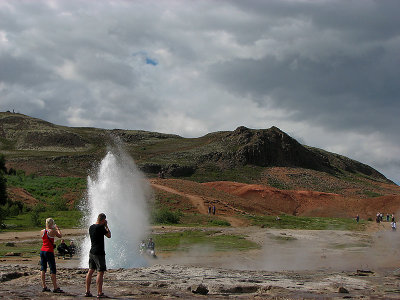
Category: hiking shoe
<point>46,289</point>
<point>88,294</point>
<point>58,291</point>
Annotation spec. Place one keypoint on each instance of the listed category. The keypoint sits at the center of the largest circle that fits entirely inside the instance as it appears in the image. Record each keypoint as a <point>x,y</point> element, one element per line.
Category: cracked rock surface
<point>185,282</point>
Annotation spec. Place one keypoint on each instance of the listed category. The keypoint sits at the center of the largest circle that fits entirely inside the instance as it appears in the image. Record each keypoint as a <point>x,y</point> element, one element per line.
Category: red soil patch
<point>267,200</point>
<point>19,194</point>
<point>233,199</point>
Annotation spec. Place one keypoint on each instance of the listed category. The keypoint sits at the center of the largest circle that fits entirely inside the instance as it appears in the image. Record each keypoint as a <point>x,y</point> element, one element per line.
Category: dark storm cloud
<point>340,91</point>
<point>353,84</point>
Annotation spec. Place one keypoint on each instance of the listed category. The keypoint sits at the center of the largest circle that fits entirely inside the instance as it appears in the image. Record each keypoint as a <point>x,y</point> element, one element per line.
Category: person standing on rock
<point>47,255</point>
<point>97,255</point>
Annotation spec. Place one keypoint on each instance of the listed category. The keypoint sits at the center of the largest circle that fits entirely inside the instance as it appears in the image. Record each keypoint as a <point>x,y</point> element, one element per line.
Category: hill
<point>259,161</point>
<point>45,148</point>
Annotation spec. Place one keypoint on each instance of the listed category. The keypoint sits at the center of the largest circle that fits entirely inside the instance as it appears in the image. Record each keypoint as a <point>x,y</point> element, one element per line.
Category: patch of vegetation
<point>49,190</point>
<point>165,216</point>
<point>371,194</point>
<point>276,183</point>
<point>27,249</point>
<point>283,238</point>
<point>352,245</point>
<point>184,241</point>
<point>26,221</point>
<point>218,222</point>
<point>309,223</point>
<point>163,198</point>
<point>245,174</point>
<point>200,220</point>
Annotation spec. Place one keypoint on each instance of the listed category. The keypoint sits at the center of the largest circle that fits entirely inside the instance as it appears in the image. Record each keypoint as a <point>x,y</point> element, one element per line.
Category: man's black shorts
<point>97,262</point>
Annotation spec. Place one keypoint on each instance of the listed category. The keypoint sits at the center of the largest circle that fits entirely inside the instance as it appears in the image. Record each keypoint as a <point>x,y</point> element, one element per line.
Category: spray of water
<point>119,190</point>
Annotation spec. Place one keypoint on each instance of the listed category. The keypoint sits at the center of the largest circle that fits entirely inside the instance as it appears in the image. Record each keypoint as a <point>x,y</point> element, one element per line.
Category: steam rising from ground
<point>297,250</point>
<point>118,190</point>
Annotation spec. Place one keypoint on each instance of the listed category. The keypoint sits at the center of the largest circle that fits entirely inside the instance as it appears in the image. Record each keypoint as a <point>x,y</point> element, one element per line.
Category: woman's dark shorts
<point>47,258</point>
<point>97,262</point>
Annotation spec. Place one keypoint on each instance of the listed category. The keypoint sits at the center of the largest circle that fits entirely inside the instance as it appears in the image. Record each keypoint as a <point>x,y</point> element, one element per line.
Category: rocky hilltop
<point>44,148</point>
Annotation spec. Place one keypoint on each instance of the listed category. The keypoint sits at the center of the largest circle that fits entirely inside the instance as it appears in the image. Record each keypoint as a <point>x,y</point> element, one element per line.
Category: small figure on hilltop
<point>97,255</point>
<point>47,255</point>
<point>358,218</point>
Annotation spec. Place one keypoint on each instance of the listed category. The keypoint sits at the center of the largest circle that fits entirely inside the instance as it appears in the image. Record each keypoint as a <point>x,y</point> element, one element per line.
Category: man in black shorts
<point>97,255</point>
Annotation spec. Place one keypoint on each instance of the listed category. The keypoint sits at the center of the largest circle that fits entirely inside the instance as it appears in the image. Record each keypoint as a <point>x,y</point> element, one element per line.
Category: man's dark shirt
<point>62,248</point>
<point>150,245</point>
<point>97,233</point>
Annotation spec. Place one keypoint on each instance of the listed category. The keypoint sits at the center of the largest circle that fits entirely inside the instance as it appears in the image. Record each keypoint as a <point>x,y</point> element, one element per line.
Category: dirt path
<point>199,203</point>
<point>196,201</point>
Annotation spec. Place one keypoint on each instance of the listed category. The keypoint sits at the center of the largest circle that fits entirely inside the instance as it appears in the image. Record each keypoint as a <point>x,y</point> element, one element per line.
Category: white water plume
<point>118,190</point>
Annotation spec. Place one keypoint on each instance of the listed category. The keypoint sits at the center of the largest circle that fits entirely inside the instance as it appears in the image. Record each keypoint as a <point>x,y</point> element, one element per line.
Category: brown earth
<point>269,200</point>
<point>19,194</point>
<point>306,179</point>
<point>233,199</point>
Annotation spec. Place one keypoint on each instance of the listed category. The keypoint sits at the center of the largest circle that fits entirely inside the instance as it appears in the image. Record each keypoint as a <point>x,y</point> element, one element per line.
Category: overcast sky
<point>325,72</point>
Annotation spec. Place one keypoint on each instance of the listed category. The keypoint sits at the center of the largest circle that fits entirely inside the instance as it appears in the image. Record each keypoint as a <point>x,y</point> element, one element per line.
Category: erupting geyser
<point>119,190</point>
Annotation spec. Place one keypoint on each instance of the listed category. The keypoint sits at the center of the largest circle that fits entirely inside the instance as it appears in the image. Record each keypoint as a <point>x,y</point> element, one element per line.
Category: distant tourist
<point>151,248</point>
<point>151,245</point>
<point>142,247</point>
<point>387,217</point>
<point>47,255</point>
<point>213,210</point>
<point>209,209</point>
<point>71,248</point>
<point>97,255</point>
<point>393,224</point>
<point>358,218</point>
<point>393,218</point>
<point>378,218</point>
<point>63,248</point>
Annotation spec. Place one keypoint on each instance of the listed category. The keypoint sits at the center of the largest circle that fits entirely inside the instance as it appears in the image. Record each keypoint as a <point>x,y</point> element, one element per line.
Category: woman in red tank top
<point>47,254</point>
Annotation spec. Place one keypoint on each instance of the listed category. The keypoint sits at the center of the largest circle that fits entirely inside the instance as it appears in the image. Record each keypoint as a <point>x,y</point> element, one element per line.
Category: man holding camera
<point>97,259</point>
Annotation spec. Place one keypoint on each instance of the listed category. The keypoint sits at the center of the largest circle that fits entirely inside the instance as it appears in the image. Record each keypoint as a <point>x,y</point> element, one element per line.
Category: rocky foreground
<point>185,282</point>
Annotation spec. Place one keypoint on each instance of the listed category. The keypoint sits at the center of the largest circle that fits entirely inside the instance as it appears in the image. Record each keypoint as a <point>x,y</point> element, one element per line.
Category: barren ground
<point>291,264</point>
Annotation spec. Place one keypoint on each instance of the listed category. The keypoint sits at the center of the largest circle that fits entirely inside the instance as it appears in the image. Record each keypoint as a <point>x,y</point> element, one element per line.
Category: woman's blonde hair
<point>49,223</point>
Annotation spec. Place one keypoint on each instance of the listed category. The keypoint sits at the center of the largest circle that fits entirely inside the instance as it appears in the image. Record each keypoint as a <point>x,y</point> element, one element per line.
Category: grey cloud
<point>345,88</point>
<point>326,64</point>
<point>21,71</point>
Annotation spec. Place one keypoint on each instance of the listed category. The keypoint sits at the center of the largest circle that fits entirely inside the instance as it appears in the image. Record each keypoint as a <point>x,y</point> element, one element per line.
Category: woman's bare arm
<point>55,232</point>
